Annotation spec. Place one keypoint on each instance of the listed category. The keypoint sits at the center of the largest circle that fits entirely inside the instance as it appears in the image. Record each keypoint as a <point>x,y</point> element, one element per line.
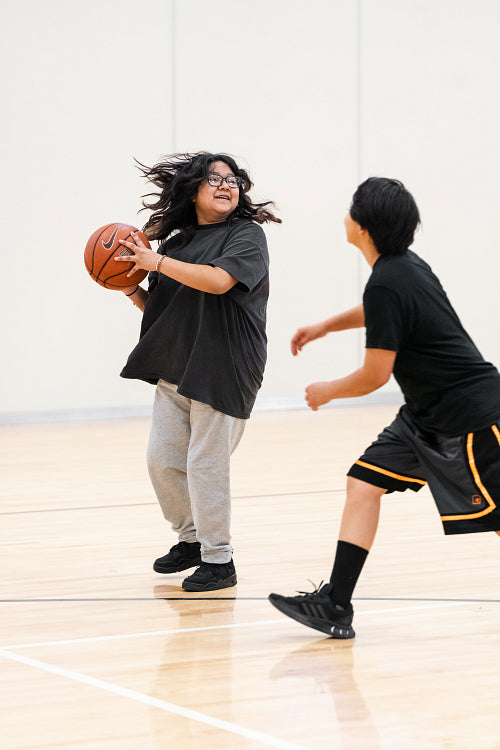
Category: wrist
<point>159,262</point>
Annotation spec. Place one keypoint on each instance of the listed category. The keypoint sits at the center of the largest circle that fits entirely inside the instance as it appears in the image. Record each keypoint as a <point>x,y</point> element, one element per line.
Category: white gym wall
<point>311,97</point>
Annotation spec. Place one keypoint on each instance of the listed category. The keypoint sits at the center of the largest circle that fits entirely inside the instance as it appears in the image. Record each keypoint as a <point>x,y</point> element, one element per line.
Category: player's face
<point>213,204</point>
<point>352,229</point>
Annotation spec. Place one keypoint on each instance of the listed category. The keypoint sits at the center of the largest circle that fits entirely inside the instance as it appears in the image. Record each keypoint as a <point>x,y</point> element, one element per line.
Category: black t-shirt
<point>447,385</point>
<point>213,347</point>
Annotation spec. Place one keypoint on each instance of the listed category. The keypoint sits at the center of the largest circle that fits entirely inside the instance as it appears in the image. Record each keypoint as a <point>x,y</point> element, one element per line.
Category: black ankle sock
<point>347,567</point>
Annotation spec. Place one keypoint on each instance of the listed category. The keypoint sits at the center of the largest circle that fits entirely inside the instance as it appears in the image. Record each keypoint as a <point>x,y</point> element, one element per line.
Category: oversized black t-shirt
<point>447,385</point>
<point>213,347</point>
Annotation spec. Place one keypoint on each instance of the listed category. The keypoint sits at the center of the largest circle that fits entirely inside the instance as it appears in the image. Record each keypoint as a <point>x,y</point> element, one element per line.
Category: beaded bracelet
<point>158,263</point>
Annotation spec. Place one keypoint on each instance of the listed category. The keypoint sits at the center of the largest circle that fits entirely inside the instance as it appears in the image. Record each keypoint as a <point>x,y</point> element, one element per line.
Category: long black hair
<point>179,176</point>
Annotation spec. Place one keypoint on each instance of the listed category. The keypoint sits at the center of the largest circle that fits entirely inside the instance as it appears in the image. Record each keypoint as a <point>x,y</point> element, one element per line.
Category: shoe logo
<point>477,499</point>
<point>109,244</point>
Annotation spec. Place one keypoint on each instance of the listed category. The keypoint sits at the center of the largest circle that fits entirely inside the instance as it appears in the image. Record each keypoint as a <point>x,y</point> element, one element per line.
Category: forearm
<point>352,318</point>
<point>375,372</point>
<point>201,277</point>
<point>357,383</point>
<point>139,297</point>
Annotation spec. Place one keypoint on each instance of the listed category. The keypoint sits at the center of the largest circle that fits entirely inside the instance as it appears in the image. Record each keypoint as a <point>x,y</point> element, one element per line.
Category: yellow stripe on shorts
<point>477,479</point>
<point>390,473</point>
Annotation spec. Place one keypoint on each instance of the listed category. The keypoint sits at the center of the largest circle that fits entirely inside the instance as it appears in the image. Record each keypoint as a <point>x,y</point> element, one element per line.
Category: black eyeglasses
<point>216,180</point>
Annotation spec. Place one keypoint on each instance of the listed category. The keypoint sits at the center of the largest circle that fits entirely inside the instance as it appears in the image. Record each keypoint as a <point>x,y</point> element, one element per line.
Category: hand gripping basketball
<point>101,250</point>
<point>137,250</point>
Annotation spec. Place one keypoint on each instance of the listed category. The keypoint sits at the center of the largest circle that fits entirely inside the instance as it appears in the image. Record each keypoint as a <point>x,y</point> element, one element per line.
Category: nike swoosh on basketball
<point>109,243</point>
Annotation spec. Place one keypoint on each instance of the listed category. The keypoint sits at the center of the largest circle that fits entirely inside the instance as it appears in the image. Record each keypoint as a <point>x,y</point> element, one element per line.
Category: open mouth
<point>222,197</point>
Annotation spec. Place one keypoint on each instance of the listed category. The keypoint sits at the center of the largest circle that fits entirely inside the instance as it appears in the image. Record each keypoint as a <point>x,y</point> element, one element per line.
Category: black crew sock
<point>347,567</point>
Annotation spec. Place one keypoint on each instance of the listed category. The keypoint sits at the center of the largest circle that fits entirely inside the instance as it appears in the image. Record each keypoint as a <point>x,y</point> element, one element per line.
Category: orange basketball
<point>101,249</point>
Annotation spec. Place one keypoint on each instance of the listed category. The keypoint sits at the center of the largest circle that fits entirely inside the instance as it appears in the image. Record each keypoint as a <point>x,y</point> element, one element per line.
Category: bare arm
<point>374,373</point>
<point>203,278</point>
<point>353,318</point>
<point>137,295</point>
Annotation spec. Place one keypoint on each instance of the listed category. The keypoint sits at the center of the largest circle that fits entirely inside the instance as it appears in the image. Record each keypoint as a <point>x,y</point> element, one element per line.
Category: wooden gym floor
<point>98,652</point>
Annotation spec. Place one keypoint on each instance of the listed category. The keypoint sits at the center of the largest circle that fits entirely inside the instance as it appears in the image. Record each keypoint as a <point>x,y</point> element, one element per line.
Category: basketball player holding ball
<point>203,345</point>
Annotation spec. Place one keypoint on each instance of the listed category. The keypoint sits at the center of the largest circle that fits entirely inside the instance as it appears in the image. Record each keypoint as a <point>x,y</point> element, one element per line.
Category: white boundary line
<point>179,631</point>
<point>149,634</point>
<point>187,713</point>
<point>7,653</point>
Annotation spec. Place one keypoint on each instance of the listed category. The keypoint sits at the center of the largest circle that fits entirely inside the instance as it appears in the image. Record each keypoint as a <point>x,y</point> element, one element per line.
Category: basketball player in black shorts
<point>446,435</point>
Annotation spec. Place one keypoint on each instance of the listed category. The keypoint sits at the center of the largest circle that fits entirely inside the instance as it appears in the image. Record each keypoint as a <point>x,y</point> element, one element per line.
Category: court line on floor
<point>206,628</point>
<point>120,506</point>
<point>53,600</point>
<point>141,599</point>
<point>146,634</point>
<point>149,700</point>
<point>261,737</point>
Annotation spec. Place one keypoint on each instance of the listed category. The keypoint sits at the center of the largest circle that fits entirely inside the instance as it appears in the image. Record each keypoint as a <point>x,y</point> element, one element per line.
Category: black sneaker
<point>210,577</point>
<point>316,610</point>
<point>181,557</point>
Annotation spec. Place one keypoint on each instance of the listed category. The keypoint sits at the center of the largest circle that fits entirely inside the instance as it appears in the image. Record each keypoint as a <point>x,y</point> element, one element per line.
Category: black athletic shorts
<point>463,473</point>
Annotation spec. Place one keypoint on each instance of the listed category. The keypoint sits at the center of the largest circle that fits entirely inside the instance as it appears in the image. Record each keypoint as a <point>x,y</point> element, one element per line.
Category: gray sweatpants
<point>188,457</point>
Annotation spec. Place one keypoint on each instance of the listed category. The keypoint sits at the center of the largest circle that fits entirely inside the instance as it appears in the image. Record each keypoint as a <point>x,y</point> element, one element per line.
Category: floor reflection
<point>331,664</point>
<point>189,676</point>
